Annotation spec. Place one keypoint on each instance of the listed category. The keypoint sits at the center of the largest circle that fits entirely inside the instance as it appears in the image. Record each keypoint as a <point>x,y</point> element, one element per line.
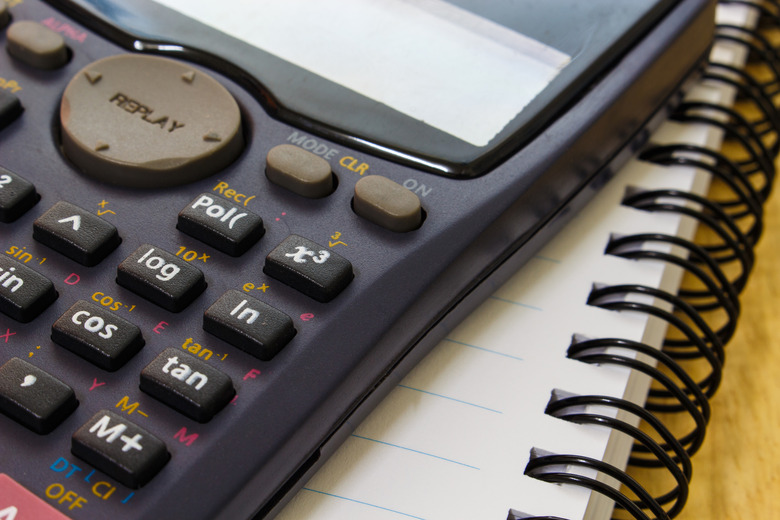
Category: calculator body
<point>484,211</point>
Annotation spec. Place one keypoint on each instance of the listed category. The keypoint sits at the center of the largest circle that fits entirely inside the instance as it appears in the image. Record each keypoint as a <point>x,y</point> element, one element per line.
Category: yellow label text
<point>225,190</point>
<point>353,165</point>
<point>10,84</point>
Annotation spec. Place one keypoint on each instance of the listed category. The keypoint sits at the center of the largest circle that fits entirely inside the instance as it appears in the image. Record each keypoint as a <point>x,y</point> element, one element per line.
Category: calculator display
<point>451,87</point>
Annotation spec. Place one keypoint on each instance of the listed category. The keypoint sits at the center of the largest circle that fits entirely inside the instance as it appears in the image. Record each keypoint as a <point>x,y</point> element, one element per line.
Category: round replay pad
<point>148,122</point>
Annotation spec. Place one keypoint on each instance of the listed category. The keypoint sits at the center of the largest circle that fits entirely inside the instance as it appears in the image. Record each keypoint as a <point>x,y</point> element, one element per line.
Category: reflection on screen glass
<point>430,60</point>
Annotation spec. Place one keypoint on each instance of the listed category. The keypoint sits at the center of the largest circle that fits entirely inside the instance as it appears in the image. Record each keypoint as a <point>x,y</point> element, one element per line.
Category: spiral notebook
<point>477,430</point>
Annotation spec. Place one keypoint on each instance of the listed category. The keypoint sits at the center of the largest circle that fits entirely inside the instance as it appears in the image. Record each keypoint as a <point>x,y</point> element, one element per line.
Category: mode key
<point>161,278</point>
<point>187,384</point>
<point>97,335</point>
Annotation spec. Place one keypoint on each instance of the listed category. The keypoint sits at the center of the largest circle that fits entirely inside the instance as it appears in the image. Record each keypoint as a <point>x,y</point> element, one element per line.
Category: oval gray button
<point>299,171</point>
<point>387,203</point>
<point>36,45</point>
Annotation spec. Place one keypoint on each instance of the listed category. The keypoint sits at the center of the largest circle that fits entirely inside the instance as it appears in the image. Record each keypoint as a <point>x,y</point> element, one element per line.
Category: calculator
<point>228,229</point>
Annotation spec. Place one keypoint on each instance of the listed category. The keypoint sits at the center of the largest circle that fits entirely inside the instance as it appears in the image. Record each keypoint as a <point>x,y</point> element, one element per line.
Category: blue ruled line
<point>450,398</point>
<point>364,503</point>
<point>414,451</point>
<point>483,349</point>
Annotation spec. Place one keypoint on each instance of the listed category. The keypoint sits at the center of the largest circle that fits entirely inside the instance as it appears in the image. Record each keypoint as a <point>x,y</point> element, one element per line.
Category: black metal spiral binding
<point>766,12</point>
<point>672,453</point>
<point>740,131</point>
<point>734,241</point>
<point>747,202</point>
<point>762,51</point>
<point>698,262</point>
<point>760,47</point>
<point>544,466</point>
<point>735,222</point>
<point>685,396</point>
<point>749,89</point>
<point>719,294</point>
<point>704,343</point>
<point>677,463</point>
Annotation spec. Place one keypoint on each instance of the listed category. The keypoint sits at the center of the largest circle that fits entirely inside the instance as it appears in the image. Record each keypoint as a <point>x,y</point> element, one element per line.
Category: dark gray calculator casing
<point>484,216</point>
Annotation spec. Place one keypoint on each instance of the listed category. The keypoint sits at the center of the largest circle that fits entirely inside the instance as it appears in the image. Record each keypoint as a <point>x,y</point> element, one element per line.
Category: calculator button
<point>98,335</point>
<point>387,203</point>
<point>120,449</point>
<point>36,45</point>
<point>10,108</point>
<point>249,324</point>
<point>24,503</point>
<point>24,293</point>
<point>17,195</point>
<point>33,397</point>
<point>76,233</point>
<point>299,171</point>
<point>147,121</point>
<point>187,384</point>
<point>223,225</point>
<point>308,267</point>
<point>4,16</point>
<point>161,278</point>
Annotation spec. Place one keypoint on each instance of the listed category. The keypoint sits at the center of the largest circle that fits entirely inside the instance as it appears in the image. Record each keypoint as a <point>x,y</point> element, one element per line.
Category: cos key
<point>97,335</point>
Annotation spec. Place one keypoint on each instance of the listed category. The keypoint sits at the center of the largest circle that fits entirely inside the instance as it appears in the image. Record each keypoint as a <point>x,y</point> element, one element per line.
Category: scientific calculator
<point>229,228</point>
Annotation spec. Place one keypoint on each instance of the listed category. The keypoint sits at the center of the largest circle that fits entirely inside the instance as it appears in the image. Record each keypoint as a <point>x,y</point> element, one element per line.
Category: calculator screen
<point>430,60</point>
<point>448,82</point>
